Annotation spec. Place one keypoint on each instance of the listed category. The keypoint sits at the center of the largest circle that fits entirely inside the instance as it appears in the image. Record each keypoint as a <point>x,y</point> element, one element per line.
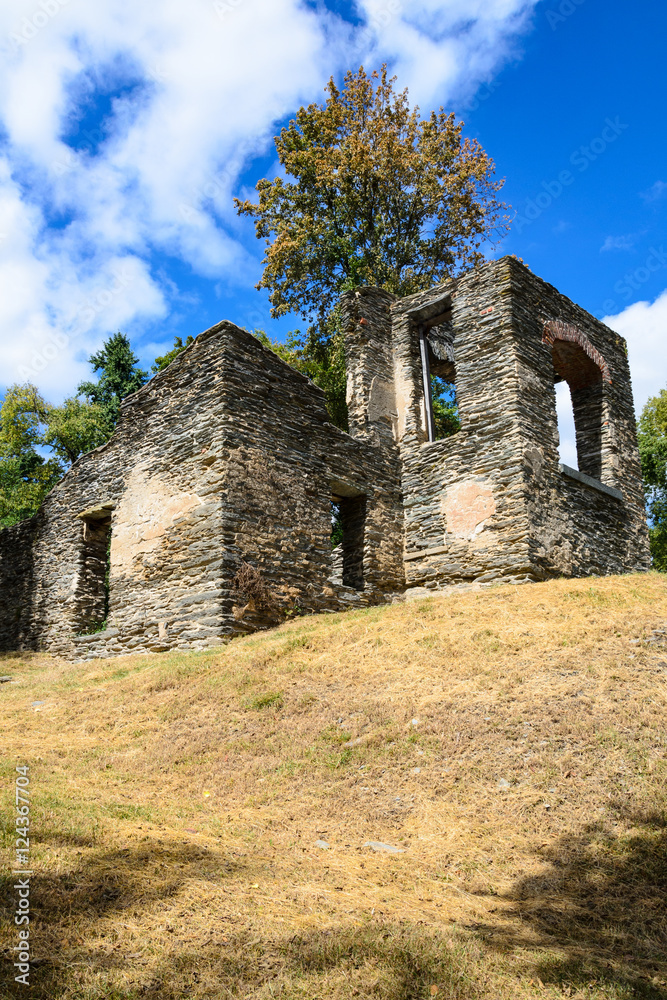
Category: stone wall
<point>491,503</point>
<point>577,528</point>
<point>225,458</point>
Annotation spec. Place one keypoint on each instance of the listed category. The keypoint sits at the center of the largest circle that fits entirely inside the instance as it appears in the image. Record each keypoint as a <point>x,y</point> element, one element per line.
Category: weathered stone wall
<point>491,503</point>
<point>225,457</point>
<point>465,519</point>
<point>17,583</point>
<point>577,529</point>
<point>284,461</point>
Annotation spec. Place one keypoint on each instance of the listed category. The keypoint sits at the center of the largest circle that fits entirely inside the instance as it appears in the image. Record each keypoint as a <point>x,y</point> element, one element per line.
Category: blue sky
<point>126,129</point>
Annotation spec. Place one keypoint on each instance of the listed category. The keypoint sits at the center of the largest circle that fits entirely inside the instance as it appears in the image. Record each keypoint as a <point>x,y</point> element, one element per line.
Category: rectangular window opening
<point>92,594</point>
<point>348,526</point>
<point>445,410</point>
<point>439,372</point>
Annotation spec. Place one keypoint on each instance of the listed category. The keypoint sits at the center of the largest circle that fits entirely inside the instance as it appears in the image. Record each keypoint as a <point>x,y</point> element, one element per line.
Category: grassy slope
<point>178,798</point>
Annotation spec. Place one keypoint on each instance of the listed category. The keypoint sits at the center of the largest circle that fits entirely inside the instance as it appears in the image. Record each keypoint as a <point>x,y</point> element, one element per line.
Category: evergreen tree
<point>28,422</point>
<point>120,376</point>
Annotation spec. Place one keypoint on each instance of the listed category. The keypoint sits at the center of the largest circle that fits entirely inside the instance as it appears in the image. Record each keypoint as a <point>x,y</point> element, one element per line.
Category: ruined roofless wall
<point>284,461</point>
<point>577,529</point>
<point>226,456</point>
<point>466,519</point>
<point>491,503</point>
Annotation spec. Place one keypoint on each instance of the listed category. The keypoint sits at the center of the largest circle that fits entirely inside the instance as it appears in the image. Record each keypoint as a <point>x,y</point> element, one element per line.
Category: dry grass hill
<point>510,744</point>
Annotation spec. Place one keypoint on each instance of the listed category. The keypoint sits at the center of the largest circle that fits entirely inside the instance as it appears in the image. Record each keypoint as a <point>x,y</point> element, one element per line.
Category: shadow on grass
<point>601,902</point>
<point>68,907</point>
<point>384,961</point>
<point>592,924</point>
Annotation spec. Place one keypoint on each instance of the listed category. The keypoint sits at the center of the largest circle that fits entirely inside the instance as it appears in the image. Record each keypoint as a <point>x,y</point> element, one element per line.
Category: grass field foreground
<point>510,744</point>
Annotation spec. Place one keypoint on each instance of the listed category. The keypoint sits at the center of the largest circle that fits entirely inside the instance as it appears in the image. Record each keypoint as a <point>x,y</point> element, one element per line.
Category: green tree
<point>166,359</point>
<point>74,428</point>
<point>25,475</point>
<point>652,434</point>
<point>380,196</point>
<point>445,409</point>
<point>119,377</point>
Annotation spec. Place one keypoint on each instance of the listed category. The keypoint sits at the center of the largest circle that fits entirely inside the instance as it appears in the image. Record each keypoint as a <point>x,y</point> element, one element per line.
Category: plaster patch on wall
<point>148,509</point>
<point>381,402</point>
<point>466,507</point>
<point>403,398</point>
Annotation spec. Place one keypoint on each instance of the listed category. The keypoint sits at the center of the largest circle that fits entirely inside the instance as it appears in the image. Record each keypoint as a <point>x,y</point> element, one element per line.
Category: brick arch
<point>568,363</point>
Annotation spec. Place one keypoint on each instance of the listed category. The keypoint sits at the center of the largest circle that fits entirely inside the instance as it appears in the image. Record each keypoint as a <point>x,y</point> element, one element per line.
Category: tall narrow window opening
<point>567,436</point>
<point>440,378</point>
<point>348,527</point>
<point>92,592</point>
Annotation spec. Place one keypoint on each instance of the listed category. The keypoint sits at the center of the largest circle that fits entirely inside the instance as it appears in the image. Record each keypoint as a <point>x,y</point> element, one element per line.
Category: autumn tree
<point>373,194</point>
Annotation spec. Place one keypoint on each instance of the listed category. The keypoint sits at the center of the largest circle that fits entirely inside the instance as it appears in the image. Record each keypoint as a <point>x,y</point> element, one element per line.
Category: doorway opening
<point>348,529</point>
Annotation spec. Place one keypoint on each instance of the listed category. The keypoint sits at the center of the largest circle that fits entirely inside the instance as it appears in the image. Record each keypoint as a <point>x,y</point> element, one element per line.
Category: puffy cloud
<point>188,94</point>
<point>644,326</point>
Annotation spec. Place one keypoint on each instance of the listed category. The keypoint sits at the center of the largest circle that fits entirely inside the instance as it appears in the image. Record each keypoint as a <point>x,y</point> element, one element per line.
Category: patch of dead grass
<point>510,742</point>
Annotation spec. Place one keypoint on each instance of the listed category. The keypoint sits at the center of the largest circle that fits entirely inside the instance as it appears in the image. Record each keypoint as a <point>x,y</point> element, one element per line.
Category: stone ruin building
<point>208,513</point>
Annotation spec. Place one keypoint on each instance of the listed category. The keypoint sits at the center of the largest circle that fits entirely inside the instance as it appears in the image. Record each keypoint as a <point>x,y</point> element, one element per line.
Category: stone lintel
<point>340,488</point>
<point>108,633</point>
<point>98,513</point>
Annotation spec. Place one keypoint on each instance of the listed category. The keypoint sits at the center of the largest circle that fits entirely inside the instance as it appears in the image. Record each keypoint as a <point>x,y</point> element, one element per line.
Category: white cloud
<point>618,243</point>
<point>211,78</point>
<point>655,192</point>
<point>644,326</point>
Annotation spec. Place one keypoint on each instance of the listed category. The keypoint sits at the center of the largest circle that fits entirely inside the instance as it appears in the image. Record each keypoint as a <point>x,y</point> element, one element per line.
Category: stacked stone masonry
<point>224,466</point>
